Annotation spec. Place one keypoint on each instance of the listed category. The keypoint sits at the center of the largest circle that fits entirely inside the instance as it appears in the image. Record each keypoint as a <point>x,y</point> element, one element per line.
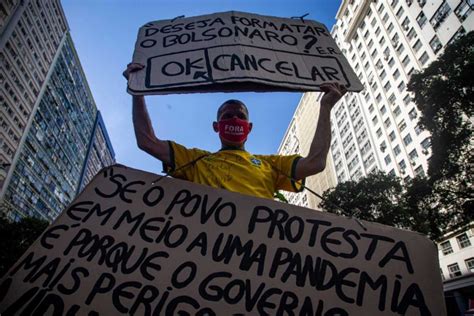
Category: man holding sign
<point>232,168</point>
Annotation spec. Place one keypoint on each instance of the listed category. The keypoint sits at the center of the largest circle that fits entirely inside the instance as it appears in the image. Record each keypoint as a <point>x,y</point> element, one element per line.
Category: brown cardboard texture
<point>237,51</point>
<point>129,244</point>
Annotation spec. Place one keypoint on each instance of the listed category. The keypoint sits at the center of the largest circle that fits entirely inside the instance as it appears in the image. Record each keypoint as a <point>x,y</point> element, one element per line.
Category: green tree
<point>376,198</point>
<point>16,237</point>
<point>444,94</point>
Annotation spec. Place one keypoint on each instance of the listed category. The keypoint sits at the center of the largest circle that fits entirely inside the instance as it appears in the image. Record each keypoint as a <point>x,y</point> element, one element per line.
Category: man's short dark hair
<point>232,101</point>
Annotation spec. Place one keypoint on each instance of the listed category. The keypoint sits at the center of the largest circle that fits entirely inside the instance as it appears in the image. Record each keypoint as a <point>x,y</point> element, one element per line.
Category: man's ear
<point>250,126</point>
<point>215,126</point>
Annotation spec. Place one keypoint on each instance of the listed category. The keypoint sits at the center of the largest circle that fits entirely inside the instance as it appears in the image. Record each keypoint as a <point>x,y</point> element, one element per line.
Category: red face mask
<point>234,130</point>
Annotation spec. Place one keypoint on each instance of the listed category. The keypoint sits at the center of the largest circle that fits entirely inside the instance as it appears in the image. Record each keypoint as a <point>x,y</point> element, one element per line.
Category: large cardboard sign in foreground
<point>237,51</point>
<point>131,245</point>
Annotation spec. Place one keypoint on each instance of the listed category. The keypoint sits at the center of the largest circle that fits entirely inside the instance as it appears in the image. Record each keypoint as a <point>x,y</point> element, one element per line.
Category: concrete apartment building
<point>385,41</point>
<point>297,140</point>
<point>48,114</point>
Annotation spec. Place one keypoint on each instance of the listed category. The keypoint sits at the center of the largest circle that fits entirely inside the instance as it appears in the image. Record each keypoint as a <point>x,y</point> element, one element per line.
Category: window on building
<point>424,58</point>
<point>446,248</point>
<point>392,98</point>
<point>400,49</point>
<point>382,41</point>
<point>375,120</point>
<point>370,44</point>
<point>426,143</point>
<point>397,150</point>
<point>463,240</point>
<point>406,99</point>
<point>383,110</point>
<point>417,46</point>
<point>470,264</point>
<point>461,31</point>
<point>388,160</point>
<point>392,136</point>
<point>402,125</point>
<point>421,19</point>
<point>401,87</point>
<point>418,129</point>
<point>379,132</point>
<point>387,122</point>
<point>435,44</point>
<point>407,140</point>
<point>413,114</point>
<point>383,74</point>
<point>387,86</point>
<point>411,34</point>
<point>377,30</point>
<point>454,270</point>
<point>413,155</point>
<point>463,10</point>
<point>396,74</point>
<point>402,165</point>
<point>440,15</point>
<point>391,62</point>
<point>385,17</point>
<point>400,12</point>
<point>419,171</point>
<point>378,98</point>
<point>390,28</point>
<point>406,61</point>
<point>374,53</point>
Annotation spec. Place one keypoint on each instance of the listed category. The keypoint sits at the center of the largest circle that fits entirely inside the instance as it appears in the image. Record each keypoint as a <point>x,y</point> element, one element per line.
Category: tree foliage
<point>16,237</point>
<point>444,95</point>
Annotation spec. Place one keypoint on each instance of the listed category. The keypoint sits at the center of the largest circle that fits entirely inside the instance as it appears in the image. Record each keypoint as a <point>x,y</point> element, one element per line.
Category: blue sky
<point>104,33</point>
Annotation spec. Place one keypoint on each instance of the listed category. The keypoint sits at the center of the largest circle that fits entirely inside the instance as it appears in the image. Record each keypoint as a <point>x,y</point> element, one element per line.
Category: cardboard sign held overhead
<point>130,244</point>
<point>237,51</point>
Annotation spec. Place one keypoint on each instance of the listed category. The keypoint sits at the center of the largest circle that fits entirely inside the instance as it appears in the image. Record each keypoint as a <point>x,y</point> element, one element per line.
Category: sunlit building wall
<point>386,41</point>
<point>297,140</point>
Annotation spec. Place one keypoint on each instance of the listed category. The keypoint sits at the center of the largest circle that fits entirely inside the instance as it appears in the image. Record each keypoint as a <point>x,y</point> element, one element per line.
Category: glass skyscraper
<point>47,95</point>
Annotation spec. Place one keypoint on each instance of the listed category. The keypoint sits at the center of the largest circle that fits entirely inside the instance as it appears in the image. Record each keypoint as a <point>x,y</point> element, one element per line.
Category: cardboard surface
<point>130,244</point>
<point>237,51</point>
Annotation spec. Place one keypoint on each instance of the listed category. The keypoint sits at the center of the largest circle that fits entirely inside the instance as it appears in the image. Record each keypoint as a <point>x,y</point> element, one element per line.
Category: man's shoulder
<point>179,147</point>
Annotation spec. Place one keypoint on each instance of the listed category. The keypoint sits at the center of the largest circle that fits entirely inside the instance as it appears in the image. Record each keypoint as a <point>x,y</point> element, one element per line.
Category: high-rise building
<point>385,41</point>
<point>100,153</point>
<point>31,33</point>
<point>297,140</point>
<point>48,112</point>
<point>456,263</point>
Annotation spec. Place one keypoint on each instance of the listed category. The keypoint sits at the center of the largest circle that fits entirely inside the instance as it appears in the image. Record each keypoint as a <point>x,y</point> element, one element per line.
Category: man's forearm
<point>322,139</point>
<point>141,122</point>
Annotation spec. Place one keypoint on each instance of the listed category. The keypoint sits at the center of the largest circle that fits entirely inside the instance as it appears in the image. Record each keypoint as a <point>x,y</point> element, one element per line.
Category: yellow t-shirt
<point>235,170</point>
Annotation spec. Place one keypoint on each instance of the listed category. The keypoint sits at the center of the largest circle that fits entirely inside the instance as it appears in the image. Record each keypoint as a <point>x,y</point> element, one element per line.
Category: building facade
<point>386,41</point>
<point>48,112</point>
<point>456,261</point>
<point>31,33</point>
<point>100,153</point>
<point>297,140</point>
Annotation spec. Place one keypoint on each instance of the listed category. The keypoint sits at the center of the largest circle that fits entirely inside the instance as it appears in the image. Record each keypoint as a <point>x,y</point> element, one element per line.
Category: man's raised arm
<point>315,162</point>
<point>144,133</point>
